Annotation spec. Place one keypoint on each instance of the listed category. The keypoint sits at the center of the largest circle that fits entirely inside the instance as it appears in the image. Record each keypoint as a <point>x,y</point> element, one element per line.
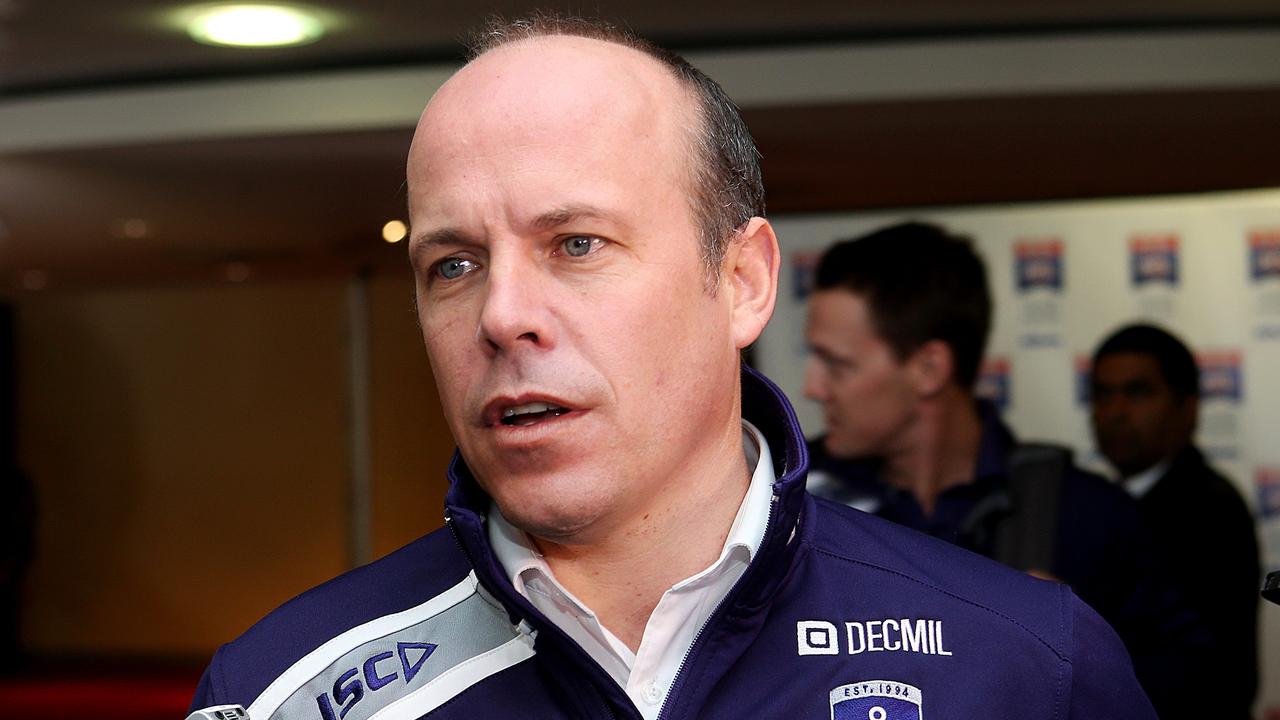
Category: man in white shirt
<point>629,535</point>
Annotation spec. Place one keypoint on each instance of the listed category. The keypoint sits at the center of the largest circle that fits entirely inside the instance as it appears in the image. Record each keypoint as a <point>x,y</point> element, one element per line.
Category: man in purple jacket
<point>628,531</point>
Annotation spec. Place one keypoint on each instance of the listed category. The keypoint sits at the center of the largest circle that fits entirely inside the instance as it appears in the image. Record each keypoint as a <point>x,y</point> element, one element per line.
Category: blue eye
<point>579,245</point>
<point>453,268</point>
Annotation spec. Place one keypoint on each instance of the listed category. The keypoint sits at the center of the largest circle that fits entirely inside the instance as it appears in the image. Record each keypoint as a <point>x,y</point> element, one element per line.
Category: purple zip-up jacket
<point>840,616</point>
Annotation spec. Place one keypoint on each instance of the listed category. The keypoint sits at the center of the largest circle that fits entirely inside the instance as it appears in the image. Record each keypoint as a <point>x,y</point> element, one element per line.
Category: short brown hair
<point>920,283</point>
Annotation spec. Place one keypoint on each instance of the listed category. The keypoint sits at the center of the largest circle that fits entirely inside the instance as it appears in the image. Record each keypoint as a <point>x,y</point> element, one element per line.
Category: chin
<point>553,508</point>
<point>557,524</point>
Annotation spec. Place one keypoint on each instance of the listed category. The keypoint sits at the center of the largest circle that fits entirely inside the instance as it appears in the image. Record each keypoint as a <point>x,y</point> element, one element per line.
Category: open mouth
<point>530,413</point>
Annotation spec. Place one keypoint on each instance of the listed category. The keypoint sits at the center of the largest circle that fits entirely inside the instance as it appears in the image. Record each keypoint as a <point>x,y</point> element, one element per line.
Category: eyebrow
<point>549,220</point>
<point>565,215</point>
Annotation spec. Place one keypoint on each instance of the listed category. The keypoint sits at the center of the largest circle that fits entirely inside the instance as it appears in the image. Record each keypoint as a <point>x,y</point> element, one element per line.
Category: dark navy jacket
<point>840,615</point>
<point>1104,551</point>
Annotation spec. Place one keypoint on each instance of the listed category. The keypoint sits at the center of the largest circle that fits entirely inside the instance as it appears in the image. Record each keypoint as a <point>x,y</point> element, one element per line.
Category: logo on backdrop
<point>1267,480</point>
<point>1084,381</point>
<point>1220,375</point>
<point>1153,259</point>
<point>993,382</point>
<point>876,700</point>
<point>1038,264</point>
<point>803,265</point>
<point>1264,253</point>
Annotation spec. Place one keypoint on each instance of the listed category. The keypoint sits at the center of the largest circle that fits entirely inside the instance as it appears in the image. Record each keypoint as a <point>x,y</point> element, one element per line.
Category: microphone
<point>220,712</point>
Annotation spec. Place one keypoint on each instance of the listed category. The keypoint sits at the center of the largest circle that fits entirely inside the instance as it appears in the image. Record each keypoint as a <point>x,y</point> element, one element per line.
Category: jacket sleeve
<point>1103,684</point>
<point>206,695</point>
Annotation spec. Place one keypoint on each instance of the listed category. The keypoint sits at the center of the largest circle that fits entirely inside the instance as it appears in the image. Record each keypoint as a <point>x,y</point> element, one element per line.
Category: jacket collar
<point>764,405</point>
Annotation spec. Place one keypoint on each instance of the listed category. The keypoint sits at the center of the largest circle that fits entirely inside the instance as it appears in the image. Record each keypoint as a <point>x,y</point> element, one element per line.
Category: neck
<point>940,450</point>
<point>622,574</point>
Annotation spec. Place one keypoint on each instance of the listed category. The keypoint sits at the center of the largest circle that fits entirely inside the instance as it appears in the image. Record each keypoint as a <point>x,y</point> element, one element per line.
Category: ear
<point>750,278</point>
<point>931,367</point>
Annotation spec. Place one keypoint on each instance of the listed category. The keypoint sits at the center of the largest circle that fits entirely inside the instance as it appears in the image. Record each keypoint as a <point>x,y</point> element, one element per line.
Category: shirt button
<point>651,693</point>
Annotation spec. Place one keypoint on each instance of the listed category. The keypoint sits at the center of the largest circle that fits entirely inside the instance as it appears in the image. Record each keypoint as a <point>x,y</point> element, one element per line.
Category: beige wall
<point>189,451</point>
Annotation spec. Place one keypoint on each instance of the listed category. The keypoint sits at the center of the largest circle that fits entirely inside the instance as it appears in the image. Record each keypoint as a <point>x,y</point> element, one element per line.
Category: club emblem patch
<point>876,700</point>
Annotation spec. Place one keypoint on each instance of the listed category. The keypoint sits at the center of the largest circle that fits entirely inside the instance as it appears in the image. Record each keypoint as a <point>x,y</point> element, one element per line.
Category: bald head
<point>722,181</point>
<point>605,99</point>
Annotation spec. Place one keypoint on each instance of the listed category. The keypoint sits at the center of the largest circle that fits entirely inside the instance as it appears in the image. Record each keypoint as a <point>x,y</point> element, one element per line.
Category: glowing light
<point>254,25</point>
<point>394,231</point>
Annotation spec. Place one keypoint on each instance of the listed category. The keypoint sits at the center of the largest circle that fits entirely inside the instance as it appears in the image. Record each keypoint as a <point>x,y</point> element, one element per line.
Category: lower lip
<point>523,435</point>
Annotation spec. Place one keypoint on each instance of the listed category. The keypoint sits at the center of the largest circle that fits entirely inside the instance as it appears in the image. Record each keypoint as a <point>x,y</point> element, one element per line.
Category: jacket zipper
<point>678,682</point>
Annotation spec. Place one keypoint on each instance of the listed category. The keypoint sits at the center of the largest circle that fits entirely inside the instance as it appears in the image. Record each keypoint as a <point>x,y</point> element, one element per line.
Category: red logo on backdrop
<point>1264,253</point>
<point>1267,480</point>
<point>1153,258</point>
<point>803,265</point>
<point>993,382</point>
<point>1084,383</point>
<point>1038,263</point>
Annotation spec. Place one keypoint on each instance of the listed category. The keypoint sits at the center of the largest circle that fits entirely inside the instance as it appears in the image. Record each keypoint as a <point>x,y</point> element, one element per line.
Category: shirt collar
<point>1139,485</point>
<point>517,553</point>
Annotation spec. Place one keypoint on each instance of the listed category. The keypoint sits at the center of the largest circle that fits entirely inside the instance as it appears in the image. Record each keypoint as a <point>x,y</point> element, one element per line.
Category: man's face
<point>868,400</point>
<point>1137,419</point>
<point>582,365</point>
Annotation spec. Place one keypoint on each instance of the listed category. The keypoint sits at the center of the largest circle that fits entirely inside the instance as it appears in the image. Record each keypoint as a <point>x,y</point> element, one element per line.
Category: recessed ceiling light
<point>394,231</point>
<point>260,25</point>
<point>34,280</point>
<point>237,272</point>
<point>131,228</point>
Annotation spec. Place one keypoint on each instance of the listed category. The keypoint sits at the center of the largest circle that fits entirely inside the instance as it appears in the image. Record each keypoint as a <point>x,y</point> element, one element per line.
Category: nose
<point>815,382</point>
<point>516,313</point>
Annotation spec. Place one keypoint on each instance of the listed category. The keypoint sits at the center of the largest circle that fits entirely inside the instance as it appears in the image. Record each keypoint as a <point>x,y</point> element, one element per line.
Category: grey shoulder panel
<point>430,652</point>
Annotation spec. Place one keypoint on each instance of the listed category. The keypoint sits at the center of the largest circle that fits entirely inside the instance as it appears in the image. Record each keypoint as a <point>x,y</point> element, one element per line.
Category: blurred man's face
<point>582,365</point>
<point>868,402</point>
<point>1137,419</point>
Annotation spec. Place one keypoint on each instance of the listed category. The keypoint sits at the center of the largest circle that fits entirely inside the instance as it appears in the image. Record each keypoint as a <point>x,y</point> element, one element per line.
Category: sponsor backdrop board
<point>1063,276</point>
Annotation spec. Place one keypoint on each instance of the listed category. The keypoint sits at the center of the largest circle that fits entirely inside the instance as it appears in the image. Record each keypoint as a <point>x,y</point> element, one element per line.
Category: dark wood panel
<point>944,152</point>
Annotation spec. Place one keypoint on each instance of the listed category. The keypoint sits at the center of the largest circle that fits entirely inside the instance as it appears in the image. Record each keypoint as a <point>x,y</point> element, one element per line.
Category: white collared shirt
<point>1139,485</point>
<point>646,675</point>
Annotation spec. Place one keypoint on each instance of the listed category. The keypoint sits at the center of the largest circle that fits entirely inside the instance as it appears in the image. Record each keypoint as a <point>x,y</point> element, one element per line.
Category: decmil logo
<point>1264,253</point>
<point>1153,259</point>
<point>1220,375</point>
<point>1038,264</point>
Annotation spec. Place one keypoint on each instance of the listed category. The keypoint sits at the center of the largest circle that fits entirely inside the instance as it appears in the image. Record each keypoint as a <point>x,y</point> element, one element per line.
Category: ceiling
<point>246,206</point>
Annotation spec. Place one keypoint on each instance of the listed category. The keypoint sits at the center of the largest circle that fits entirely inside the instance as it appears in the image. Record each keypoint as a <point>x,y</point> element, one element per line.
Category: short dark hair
<point>920,283</point>
<point>1177,364</point>
<point>727,187</point>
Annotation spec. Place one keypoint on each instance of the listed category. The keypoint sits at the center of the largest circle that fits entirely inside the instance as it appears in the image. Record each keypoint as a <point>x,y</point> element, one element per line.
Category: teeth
<point>534,407</point>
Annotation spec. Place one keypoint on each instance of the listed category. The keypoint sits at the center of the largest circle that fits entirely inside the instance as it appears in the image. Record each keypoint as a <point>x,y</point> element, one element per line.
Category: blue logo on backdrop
<point>1084,379</point>
<point>876,700</point>
<point>1220,376</point>
<point>1264,254</point>
<point>803,266</point>
<point>348,690</point>
<point>1153,259</point>
<point>1267,480</point>
<point>1038,264</point>
<point>993,382</point>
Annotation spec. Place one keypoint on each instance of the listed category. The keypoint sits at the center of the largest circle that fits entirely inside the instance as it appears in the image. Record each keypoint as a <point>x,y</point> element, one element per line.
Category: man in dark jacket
<point>1145,402</point>
<point>898,322</point>
<point>629,535</point>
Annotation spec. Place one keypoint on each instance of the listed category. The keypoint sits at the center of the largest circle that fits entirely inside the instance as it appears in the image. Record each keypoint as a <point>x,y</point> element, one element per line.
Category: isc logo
<point>377,672</point>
